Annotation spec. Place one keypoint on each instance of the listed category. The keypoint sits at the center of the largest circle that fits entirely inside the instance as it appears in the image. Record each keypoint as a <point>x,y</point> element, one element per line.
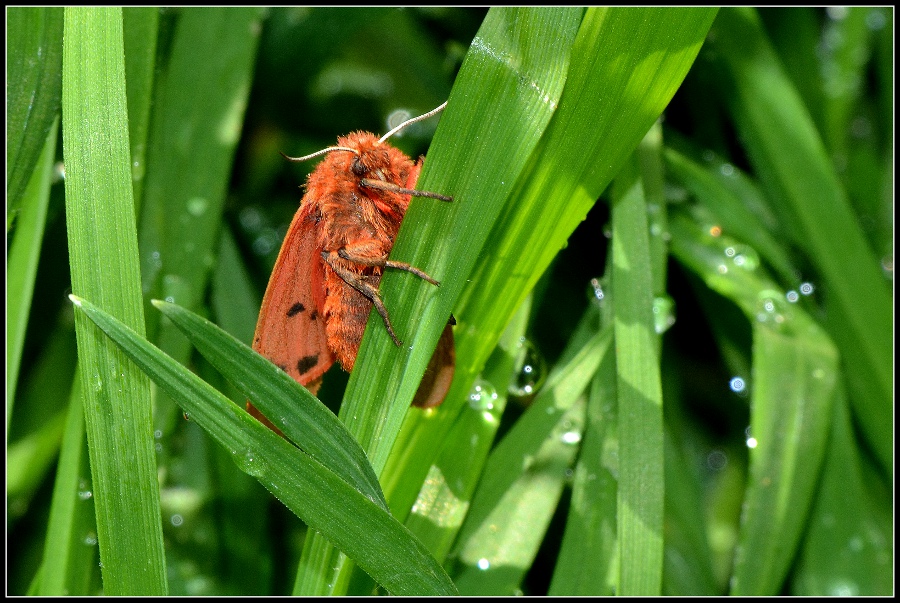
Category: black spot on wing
<point>313,315</point>
<point>296,309</point>
<point>306,363</point>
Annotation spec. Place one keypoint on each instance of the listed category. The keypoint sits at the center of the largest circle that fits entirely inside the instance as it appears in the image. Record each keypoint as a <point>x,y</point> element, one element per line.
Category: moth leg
<point>360,284</point>
<point>402,190</point>
<point>385,263</point>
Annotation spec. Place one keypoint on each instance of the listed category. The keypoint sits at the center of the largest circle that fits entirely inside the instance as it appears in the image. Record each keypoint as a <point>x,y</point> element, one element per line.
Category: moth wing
<point>290,330</point>
<point>439,374</point>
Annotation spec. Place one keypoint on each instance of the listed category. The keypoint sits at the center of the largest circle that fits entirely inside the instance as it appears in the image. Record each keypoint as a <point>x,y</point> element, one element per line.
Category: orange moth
<point>326,277</point>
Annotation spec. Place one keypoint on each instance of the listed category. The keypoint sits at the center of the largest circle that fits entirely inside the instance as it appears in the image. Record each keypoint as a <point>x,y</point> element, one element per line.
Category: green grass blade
<point>565,176</point>
<point>444,498</point>
<point>524,475</point>
<point>731,196</point>
<point>67,561</point>
<point>502,99</point>
<point>789,155</point>
<point>34,65</point>
<point>639,393</point>
<point>795,368</point>
<point>363,529</point>
<point>104,263</point>
<point>518,71</point>
<point>22,263</point>
<point>588,555</point>
<point>303,419</point>
<point>846,558</point>
<point>141,28</point>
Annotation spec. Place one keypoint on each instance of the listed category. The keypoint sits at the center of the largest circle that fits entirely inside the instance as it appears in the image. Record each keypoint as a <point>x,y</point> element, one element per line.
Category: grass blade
<point>789,155</point>
<point>104,263</point>
<point>304,420</point>
<point>21,266</point>
<point>34,66</point>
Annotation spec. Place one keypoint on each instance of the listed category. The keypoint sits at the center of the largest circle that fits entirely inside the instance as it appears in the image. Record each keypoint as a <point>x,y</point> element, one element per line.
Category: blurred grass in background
<point>766,260</point>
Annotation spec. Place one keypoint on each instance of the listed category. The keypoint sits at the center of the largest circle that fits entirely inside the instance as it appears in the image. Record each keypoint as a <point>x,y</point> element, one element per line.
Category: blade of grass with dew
<point>22,263</point>
<point>363,529</point>
<point>497,558</point>
<point>639,394</point>
<point>104,262</point>
<point>618,84</point>
<point>444,498</point>
<point>34,65</point>
<point>789,155</point>
<point>301,417</point>
<point>502,99</point>
<point>732,208</point>
<point>795,367</point>
<point>524,476</point>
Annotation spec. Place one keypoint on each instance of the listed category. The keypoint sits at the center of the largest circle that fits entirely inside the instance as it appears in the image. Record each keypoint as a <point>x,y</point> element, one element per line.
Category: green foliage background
<point>719,422</point>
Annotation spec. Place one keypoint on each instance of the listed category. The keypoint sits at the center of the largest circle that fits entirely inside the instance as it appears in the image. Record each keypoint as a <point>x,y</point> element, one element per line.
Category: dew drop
<point>595,292</point>
<point>737,385</point>
<point>529,372</point>
<point>482,395</point>
<point>743,256</point>
<point>772,308</point>
<point>663,313</point>
<point>571,437</point>
<point>197,206</point>
<point>250,463</point>
<point>716,460</point>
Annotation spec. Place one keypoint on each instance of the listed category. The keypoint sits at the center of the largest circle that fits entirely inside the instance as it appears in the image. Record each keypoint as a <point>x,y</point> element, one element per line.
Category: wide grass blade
<point>104,262</point>
<point>502,100</point>
<point>639,394</point>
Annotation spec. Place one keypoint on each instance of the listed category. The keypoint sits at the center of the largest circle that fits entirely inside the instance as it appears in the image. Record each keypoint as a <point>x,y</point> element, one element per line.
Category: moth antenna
<point>413,120</point>
<point>317,153</point>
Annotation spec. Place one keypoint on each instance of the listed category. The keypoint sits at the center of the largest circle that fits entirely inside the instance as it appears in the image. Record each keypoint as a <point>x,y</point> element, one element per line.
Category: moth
<point>325,280</point>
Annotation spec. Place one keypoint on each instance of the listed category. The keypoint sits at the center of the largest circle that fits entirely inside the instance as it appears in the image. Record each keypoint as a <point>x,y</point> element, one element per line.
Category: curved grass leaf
<point>385,549</point>
<point>300,416</point>
<point>795,368</point>
<point>788,153</point>
<point>525,473</point>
